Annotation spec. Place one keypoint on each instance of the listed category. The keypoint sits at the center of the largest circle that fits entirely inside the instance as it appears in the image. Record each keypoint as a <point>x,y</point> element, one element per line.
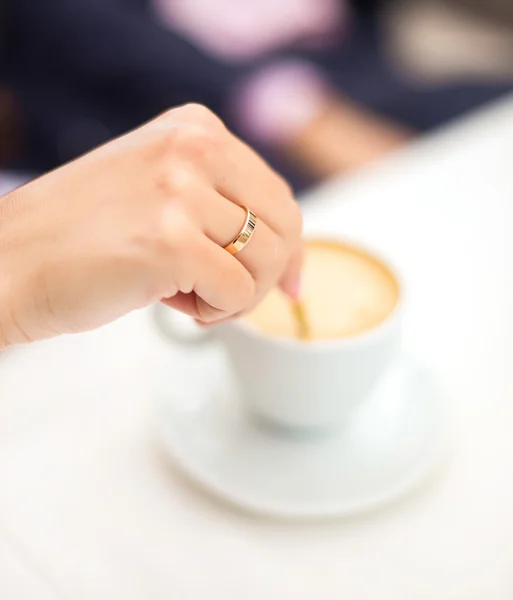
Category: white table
<point>90,510</point>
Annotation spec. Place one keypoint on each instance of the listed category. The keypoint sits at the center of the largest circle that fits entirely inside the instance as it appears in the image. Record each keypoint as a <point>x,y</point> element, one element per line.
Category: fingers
<point>265,256</point>
<point>290,282</point>
<point>212,284</point>
<point>200,141</point>
<point>211,176</point>
<point>192,113</point>
<point>255,185</point>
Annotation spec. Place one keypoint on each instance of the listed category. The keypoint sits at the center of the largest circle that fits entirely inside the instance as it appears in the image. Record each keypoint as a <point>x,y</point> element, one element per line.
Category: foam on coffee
<point>345,291</point>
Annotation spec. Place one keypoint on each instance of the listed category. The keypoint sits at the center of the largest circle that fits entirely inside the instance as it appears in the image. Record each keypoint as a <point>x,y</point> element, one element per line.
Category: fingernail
<point>208,314</point>
<point>295,288</point>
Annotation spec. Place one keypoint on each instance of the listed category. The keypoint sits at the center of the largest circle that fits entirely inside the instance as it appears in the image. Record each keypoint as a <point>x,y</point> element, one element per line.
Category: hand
<point>141,219</point>
<point>343,138</point>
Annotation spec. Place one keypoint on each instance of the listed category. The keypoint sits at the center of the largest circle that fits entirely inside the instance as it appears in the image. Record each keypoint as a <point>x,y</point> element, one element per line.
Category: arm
<point>293,107</point>
<point>343,138</point>
<point>145,218</point>
<point>97,42</point>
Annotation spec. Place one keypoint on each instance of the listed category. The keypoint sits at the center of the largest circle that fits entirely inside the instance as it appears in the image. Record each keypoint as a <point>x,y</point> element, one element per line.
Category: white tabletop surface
<point>89,509</point>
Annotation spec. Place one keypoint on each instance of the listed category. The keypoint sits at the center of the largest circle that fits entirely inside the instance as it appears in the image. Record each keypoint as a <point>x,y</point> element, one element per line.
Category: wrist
<point>16,280</point>
<point>11,310</point>
<point>5,309</point>
<point>3,340</point>
<point>4,276</point>
<point>345,137</point>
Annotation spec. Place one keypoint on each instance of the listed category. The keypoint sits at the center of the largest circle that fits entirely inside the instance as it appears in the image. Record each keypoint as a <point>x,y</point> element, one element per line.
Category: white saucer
<point>391,445</point>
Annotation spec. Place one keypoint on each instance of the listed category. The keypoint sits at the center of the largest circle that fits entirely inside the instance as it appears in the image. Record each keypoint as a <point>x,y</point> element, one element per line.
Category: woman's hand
<point>142,219</point>
<point>345,137</point>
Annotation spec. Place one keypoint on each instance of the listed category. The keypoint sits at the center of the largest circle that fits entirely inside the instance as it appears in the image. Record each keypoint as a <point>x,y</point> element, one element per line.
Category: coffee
<point>345,291</point>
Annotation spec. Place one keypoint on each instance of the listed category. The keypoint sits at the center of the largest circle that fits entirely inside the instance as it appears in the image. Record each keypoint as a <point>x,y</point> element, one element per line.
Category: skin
<point>143,219</point>
<point>343,138</point>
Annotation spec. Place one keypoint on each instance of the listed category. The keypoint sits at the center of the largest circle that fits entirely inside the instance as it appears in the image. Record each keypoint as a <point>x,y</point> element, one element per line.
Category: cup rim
<point>352,341</point>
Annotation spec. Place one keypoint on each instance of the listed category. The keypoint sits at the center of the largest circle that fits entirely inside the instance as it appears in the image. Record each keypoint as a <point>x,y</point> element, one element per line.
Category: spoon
<point>298,308</point>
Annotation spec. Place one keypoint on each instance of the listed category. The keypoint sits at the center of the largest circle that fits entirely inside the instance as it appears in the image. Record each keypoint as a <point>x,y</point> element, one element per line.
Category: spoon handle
<point>301,320</point>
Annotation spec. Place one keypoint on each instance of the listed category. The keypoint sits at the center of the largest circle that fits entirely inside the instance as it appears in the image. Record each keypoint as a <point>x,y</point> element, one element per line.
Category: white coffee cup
<point>306,386</point>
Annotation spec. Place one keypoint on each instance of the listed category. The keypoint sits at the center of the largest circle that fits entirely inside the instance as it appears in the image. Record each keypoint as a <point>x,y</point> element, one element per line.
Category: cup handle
<point>166,321</point>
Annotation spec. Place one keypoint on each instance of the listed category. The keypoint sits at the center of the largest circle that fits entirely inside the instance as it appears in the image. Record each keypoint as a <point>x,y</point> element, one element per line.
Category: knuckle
<point>190,131</point>
<point>198,113</point>
<point>177,229</point>
<point>171,232</point>
<point>193,141</point>
<point>176,182</point>
<point>191,111</point>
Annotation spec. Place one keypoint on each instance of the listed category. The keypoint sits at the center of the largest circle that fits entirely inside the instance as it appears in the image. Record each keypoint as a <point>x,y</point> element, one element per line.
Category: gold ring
<point>245,233</point>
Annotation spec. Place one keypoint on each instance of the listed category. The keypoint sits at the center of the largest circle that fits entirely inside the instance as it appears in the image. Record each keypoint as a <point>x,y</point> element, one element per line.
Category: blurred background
<point>319,87</point>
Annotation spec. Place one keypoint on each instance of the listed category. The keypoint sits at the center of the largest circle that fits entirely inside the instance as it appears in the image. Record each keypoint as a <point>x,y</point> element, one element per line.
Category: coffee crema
<point>345,292</point>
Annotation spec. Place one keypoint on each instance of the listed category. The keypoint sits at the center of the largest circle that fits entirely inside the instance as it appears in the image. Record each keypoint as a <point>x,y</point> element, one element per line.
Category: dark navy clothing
<point>88,70</point>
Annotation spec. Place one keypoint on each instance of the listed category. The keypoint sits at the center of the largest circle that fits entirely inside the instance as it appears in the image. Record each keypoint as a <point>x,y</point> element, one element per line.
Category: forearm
<point>292,106</point>
<point>344,137</point>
